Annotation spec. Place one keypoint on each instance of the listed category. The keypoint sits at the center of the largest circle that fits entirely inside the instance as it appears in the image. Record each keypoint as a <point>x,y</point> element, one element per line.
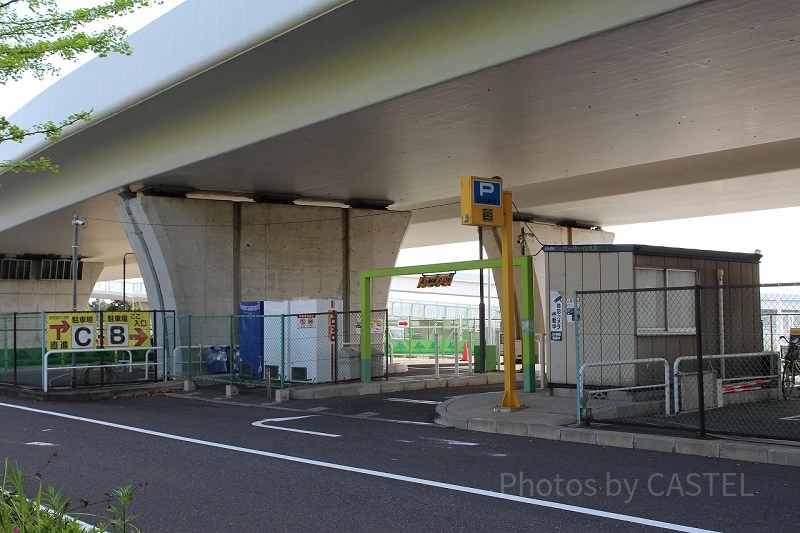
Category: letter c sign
<point>83,336</point>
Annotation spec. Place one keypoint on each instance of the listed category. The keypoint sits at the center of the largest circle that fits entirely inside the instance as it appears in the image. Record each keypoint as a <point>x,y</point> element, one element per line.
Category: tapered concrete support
<point>547,234</point>
<point>208,255</point>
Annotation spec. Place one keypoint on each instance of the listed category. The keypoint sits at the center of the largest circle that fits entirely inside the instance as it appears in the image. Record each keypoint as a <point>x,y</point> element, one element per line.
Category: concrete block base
<point>281,395</point>
<point>654,443</point>
<point>614,439</point>
<point>578,435</point>
<point>231,390</point>
<point>702,448</point>
<point>743,452</point>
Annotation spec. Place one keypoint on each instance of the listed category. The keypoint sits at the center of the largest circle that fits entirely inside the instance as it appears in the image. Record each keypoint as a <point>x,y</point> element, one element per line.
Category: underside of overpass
<point>594,112</point>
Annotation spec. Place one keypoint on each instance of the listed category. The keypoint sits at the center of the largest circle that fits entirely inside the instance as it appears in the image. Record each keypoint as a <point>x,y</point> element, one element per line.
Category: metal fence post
<point>15,348</point>
<point>387,348</point>
<point>578,395</point>
<point>436,355</point>
<point>336,347</point>
<point>230,350</point>
<point>283,351</point>
<point>5,344</point>
<point>189,328</point>
<point>701,408</point>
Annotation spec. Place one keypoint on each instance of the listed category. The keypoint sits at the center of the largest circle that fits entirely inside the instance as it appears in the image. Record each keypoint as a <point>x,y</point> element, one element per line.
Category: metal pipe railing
<point>634,387</point>
<point>722,357</point>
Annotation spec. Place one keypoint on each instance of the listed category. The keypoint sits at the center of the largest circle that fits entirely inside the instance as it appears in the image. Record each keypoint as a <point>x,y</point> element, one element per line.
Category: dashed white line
<point>377,473</point>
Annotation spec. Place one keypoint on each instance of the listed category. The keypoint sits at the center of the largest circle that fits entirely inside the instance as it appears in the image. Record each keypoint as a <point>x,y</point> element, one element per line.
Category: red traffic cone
<point>464,355</point>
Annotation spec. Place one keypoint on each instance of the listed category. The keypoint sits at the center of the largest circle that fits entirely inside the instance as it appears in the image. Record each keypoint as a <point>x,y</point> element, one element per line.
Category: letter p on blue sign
<point>487,193</point>
<point>481,201</point>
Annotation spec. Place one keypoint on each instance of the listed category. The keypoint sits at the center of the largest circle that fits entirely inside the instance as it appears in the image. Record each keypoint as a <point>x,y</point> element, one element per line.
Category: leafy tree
<point>112,305</point>
<point>32,33</point>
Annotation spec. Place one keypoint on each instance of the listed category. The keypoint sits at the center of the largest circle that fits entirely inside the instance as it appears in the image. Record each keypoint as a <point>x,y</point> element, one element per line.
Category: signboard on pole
<point>481,201</point>
<point>70,331</point>
<point>127,329</point>
<point>556,315</point>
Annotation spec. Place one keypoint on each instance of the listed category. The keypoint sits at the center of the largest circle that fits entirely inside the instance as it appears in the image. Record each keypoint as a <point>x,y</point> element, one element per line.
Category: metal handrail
<point>635,387</point>
<point>46,355</point>
<point>723,356</point>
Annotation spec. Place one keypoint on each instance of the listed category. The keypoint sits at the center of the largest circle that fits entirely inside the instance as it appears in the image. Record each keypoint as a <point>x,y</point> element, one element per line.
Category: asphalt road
<point>209,468</point>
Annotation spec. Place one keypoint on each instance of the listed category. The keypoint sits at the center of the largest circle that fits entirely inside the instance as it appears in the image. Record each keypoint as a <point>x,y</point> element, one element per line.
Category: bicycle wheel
<point>787,379</point>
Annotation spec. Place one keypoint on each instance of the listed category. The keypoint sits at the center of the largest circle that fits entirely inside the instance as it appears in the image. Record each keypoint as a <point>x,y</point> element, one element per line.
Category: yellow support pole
<point>510,400</point>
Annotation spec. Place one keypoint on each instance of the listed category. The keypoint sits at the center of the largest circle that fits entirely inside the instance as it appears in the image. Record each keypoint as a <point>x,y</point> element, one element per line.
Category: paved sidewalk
<point>553,418</point>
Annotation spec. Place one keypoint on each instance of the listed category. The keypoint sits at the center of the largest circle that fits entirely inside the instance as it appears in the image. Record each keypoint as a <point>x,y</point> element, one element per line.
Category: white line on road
<point>37,443</point>
<point>261,424</point>
<point>451,442</point>
<point>378,473</point>
<point>409,400</point>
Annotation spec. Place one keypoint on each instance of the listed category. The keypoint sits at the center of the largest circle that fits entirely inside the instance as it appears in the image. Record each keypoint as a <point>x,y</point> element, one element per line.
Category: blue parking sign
<point>486,193</point>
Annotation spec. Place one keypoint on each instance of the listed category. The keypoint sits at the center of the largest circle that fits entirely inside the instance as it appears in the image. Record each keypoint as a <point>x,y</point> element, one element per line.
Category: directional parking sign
<point>70,331</point>
<point>486,193</point>
<point>127,329</point>
<point>481,201</point>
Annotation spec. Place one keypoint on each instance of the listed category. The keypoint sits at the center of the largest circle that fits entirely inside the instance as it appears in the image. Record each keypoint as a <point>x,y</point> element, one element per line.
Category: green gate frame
<point>528,333</point>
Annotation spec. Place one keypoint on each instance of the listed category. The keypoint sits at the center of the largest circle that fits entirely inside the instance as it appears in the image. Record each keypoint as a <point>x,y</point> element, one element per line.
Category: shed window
<point>663,301</point>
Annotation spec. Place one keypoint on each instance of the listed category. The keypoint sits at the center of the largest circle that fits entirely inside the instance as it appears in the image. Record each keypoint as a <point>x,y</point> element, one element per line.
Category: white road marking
<point>318,409</point>
<point>795,418</point>
<point>261,424</point>
<point>37,443</point>
<point>452,442</point>
<point>409,400</point>
<point>368,413</point>
<point>377,473</point>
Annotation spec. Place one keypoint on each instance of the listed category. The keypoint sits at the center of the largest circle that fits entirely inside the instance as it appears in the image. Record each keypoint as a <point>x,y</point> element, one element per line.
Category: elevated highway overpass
<point>594,112</point>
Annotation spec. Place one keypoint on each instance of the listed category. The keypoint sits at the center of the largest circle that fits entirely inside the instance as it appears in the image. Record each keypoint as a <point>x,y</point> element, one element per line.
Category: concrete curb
<point>718,449</point>
<point>385,387</point>
<point>91,394</point>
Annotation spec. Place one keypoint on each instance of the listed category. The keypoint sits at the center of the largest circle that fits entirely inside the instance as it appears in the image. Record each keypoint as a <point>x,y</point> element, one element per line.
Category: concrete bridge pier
<point>202,257</point>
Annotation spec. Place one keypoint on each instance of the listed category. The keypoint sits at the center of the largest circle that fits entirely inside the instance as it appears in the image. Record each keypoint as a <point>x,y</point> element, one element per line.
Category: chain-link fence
<point>71,349</point>
<point>698,358</point>
<point>416,336</point>
<point>290,349</point>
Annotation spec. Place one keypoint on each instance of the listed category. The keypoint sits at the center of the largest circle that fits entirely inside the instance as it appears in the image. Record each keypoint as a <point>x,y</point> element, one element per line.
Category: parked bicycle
<point>791,367</point>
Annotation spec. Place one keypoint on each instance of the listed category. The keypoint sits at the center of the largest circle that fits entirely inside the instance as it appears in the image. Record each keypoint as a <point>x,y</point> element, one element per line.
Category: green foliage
<point>47,509</point>
<point>112,305</point>
<point>32,33</point>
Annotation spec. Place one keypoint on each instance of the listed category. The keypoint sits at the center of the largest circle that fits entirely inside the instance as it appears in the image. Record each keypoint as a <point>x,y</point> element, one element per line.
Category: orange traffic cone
<point>464,355</point>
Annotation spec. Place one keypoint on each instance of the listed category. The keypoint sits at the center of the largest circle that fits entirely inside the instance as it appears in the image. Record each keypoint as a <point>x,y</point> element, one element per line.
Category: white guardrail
<point>123,362</point>
<point>676,374</point>
<point>584,366</point>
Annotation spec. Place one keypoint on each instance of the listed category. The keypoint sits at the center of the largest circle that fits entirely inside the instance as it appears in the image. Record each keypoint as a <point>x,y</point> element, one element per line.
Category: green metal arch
<point>528,334</point>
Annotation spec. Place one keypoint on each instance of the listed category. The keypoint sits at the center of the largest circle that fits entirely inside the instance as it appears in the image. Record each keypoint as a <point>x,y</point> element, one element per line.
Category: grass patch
<point>27,505</point>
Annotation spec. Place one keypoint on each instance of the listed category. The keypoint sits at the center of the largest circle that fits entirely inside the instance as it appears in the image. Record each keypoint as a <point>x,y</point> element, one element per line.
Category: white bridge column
<point>207,255</point>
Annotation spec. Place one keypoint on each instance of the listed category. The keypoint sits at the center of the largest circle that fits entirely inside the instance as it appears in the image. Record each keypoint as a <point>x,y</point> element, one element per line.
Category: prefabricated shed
<point>643,315</point>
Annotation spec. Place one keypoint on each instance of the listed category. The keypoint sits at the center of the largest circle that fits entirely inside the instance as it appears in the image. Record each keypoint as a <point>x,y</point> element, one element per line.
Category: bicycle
<point>791,367</point>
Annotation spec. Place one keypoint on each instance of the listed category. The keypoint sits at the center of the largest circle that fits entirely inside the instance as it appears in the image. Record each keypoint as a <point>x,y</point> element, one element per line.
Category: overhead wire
<point>530,231</point>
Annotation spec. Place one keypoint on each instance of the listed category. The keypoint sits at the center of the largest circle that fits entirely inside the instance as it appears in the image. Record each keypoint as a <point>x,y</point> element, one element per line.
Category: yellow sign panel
<point>481,201</point>
<point>70,331</point>
<point>127,329</point>
<point>435,280</point>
